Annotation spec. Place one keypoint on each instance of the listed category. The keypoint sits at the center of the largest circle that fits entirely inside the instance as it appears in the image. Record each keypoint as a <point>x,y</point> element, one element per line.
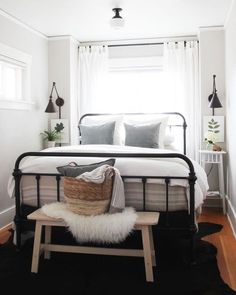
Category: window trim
<point>24,60</point>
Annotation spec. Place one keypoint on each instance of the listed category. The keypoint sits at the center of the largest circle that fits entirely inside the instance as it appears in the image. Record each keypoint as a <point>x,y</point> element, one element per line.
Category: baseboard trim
<point>7,216</point>
<point>231,214</point>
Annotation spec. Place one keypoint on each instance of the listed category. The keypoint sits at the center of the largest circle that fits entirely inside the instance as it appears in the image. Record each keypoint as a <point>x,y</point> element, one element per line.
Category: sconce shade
<point>59,102</point>
<point>213,98</point>
<point>50,107</point>
<point>215,102</point>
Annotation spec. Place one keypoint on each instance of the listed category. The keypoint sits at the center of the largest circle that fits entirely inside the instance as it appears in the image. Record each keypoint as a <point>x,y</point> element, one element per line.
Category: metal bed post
<point>18,217</point>
<point>193,229</point>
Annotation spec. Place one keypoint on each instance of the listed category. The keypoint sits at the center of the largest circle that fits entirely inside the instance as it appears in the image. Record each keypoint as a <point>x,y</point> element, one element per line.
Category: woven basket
<point>87,198</point>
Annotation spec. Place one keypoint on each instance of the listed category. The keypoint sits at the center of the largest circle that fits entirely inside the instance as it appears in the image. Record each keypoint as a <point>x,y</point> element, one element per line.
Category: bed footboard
<point>190,227</point>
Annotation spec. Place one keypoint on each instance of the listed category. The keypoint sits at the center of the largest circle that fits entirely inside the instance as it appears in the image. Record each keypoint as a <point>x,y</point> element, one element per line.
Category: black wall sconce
<point>213,99</point>
<point>59,102</point>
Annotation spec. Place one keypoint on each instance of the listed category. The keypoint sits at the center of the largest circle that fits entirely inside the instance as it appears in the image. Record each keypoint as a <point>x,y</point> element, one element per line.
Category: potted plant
<point>50,137</point>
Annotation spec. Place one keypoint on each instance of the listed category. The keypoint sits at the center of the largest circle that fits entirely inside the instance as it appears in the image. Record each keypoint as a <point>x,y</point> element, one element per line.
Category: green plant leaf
<point>59,127</point>
<point>50,135</point>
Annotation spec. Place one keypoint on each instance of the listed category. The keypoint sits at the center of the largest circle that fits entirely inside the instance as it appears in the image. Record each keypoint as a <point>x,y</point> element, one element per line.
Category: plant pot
<point>51,143</point>
<point>209,146</point>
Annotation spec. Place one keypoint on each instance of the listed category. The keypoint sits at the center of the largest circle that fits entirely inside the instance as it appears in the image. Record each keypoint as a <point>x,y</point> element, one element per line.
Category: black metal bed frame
<point>183,125</point>
<point>20,219</point>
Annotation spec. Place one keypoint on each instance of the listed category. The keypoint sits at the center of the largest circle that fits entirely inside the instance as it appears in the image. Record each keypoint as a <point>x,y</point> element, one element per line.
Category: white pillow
<point>168,139</point>
<point>102,119</point>
<point>149,119</point>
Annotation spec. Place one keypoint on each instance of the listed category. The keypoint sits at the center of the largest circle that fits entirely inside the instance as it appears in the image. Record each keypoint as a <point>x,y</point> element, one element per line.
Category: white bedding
<point>126,166</point>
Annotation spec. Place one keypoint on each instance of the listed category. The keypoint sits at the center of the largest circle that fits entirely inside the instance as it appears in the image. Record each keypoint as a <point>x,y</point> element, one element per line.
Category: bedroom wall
<point>62,69</point>
<point>20,130</point>
<point>230,55</point>
<point>212,61</point>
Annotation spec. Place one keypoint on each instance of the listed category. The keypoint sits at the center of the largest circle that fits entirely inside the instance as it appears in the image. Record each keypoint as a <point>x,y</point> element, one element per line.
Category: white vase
<point>51,143</point>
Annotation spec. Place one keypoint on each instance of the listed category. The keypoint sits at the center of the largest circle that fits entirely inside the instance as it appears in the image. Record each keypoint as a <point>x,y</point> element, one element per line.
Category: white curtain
<point>181,66</point>
<point>93,68</point>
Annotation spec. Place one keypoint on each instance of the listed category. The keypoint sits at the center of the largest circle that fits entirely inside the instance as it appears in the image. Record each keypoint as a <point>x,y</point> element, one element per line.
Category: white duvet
<point>126,166</point>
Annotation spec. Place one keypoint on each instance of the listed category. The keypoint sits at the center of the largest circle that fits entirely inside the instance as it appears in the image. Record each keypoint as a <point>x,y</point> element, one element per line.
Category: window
<point>135,85</point>
<point>14,78</point>
<point>137,91</point>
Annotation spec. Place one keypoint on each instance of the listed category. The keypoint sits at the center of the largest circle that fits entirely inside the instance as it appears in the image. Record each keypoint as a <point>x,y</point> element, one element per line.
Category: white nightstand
<point>212,157</point>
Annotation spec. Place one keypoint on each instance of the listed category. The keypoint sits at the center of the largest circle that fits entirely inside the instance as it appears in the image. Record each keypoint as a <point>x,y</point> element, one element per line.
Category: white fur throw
<point>104,228</point>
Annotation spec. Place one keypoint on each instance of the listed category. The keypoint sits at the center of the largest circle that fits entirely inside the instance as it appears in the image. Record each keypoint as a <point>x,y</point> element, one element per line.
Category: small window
<point>15,69</point>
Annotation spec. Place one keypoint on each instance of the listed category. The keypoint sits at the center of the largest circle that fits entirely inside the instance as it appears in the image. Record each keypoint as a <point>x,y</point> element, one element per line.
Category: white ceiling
<point>88,20</point>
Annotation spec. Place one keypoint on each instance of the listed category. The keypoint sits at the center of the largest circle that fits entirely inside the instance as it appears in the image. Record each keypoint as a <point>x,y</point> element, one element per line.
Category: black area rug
<point>81,274</point>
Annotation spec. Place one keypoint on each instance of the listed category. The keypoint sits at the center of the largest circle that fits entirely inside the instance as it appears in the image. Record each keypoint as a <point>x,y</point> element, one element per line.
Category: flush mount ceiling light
<point>117,21</point>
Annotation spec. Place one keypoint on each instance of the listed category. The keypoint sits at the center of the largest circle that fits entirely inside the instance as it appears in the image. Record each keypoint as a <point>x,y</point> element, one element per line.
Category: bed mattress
<point>155,188</point>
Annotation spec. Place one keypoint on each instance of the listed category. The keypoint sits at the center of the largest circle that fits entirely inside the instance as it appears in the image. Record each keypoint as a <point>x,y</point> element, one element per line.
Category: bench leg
<point>36,249</point>
<point>152,246</point>
<point>48,230</point>
<point>147,253</point>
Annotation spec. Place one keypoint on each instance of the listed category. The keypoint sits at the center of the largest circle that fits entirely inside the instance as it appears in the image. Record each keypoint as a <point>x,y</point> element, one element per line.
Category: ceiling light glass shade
<point>117,21</point>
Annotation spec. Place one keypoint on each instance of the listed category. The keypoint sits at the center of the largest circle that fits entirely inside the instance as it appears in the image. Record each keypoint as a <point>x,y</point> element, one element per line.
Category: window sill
<point>15,104</point>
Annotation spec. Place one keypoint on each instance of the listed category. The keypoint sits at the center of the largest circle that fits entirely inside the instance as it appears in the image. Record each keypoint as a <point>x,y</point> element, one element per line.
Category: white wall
<point>20,130</point>
<point>212,62</point>
<point>59,72</point>
<point>62,69</point>
<point>230,55</point>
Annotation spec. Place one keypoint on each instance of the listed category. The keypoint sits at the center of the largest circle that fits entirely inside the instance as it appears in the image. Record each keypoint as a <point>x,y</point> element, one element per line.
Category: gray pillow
<point>142,135</point>
<point>97,134</point>
<point>73,169</point>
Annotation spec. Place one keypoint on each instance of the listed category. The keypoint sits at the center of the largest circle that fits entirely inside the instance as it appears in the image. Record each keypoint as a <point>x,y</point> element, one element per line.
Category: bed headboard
<point>177,120</point>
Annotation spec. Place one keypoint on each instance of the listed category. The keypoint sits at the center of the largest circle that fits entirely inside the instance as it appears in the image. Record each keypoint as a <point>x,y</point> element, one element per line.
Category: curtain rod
<point>144,44</point>
<point>123,45</point>
<point>133,44</point>
<point>139,42</point>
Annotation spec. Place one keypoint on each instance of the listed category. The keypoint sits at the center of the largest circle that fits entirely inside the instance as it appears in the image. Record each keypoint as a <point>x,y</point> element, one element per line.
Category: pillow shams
<point>142,135</point>
<point>152,119</point>
<point>97,134</point>
<point>103,119</point>
<point>73,170</point>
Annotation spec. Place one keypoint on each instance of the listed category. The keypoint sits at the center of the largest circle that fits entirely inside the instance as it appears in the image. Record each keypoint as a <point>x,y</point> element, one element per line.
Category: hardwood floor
<point>223,240</point>
<point>5,235</point>
<point>225,243</point>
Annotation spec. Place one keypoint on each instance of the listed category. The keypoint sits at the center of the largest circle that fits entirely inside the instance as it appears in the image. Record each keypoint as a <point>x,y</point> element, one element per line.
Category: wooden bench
<point>144,222</point>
